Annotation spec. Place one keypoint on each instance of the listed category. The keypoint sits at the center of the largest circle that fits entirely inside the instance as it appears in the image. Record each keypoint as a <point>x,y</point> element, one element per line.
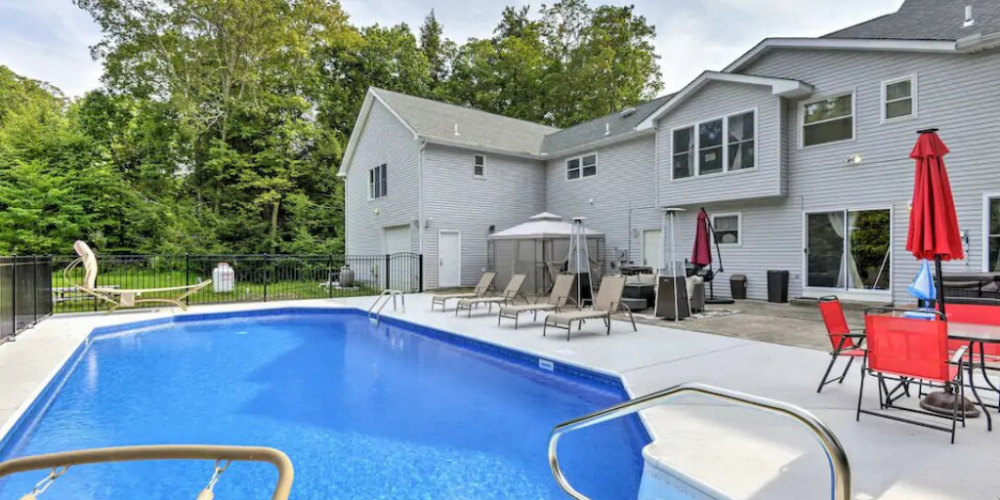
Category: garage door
<point>396,239</point>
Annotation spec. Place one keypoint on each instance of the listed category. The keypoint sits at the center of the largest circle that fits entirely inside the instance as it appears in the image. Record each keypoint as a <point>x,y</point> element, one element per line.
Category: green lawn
<point>305,285</point>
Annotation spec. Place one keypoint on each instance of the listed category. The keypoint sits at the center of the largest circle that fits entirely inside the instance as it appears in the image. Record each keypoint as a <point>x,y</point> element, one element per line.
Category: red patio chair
<point>843,342</point>
<point>982,312</point>
<point>905,349</point>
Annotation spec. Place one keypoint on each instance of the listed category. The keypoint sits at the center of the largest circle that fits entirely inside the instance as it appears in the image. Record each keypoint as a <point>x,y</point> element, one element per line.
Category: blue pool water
<point>364,412</point>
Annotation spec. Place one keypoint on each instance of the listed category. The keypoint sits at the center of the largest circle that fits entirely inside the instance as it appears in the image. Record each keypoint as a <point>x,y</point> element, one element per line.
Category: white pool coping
<point>740,452</point>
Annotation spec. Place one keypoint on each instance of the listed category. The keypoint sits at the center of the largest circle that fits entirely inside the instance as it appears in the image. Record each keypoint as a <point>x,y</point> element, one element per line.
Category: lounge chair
<point>480,291</point>
<point>509,296</point>
<point>607,302</point>
<point>118,297</point>
<point>556,301</point>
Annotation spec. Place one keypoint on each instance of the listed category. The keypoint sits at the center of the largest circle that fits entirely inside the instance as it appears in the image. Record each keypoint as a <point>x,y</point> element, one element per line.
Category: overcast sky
<point>49,39</point>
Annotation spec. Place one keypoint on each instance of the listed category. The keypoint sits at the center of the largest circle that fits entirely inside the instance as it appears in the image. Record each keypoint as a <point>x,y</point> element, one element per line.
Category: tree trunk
<point>274,226</point>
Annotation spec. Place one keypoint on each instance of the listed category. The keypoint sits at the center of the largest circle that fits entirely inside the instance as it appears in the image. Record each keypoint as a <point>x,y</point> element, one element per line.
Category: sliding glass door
<point>849,250</point>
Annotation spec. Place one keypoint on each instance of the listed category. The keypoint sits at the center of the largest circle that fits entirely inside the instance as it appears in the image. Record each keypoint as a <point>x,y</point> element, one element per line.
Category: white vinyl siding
<point>828,120</point>
<point>581,166</point>
<point>956,93</point>
<point>899,98</point>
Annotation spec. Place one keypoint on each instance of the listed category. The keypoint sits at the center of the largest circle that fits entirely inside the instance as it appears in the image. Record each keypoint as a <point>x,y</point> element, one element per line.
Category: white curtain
<point>847,261</point>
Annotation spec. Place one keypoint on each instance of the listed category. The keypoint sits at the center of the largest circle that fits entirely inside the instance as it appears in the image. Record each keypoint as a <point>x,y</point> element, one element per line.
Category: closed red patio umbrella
<point>701,254</point>
<point>933,232</point>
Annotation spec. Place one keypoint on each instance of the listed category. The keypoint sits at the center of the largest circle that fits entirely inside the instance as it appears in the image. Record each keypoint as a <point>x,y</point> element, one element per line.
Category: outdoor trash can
<point>777,286</point>
<point>738,286</point>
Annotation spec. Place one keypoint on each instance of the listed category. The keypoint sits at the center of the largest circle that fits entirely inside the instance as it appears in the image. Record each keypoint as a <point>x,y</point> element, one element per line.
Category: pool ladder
<point>840,469</point>
<point>375,311</point>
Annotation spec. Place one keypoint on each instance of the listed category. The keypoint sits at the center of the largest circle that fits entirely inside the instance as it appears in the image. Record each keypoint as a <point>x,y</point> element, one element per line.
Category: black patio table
<point>977,334</point>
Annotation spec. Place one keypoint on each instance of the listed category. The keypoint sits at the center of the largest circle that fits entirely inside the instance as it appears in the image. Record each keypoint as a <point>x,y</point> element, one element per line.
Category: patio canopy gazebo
<point>539,248</point>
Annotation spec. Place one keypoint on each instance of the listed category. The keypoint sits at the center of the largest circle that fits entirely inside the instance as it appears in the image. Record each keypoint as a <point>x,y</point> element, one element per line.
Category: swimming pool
<point>364,412</point>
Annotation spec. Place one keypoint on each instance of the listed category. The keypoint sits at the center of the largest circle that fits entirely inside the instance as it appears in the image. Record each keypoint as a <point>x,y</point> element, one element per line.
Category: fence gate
<point>403,272</point>
<point>25,293</point>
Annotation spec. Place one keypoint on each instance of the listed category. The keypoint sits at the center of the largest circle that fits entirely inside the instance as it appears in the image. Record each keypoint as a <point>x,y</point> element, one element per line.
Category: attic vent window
<point>627,112</point>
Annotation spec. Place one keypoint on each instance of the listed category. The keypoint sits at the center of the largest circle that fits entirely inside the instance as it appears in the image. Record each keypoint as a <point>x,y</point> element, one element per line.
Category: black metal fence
<point>240,278</point>
<point>25,293</point>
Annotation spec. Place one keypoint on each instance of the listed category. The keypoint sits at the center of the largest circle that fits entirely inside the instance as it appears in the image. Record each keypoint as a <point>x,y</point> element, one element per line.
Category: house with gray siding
<point>799,150</point>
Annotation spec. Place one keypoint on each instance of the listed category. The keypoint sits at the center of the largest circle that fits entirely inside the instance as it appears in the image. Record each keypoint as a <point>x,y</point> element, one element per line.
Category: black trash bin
<point>738,286</point>
<point>777,286</point>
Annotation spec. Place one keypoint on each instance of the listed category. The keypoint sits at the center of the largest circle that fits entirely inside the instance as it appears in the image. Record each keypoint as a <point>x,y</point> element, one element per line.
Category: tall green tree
<point>242,79</point>
<point>436,48</point>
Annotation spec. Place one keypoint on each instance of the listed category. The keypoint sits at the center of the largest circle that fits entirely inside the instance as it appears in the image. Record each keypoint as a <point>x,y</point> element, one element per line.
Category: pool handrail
<point>158,452</point>
<point>376,315</point>
<point>840,469</point>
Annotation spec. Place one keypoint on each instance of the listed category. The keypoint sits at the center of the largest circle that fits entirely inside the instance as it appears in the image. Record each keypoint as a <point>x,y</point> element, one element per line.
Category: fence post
<point>13,296</point>
<point>329,275</point>
<point>265,277</point>
<point>420,273</point>
<point>34,290</point>
<point>187,275</point>
<point>387,264</point>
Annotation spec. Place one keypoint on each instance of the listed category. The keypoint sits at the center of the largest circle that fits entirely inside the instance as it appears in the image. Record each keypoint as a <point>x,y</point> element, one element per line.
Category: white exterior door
<point>449,258</point>
<point>652,242</point>
<point>396,239</point>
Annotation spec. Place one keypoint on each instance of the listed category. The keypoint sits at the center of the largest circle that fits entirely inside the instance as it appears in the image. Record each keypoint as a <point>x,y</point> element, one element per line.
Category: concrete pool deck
<point>738,451</point>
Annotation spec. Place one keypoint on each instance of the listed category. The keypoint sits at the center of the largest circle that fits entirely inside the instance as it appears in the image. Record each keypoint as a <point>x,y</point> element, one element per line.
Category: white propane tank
<point>223,278</point>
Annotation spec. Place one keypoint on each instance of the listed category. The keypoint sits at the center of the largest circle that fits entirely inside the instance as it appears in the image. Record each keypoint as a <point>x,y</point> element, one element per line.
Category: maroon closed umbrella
<point>701,254</point>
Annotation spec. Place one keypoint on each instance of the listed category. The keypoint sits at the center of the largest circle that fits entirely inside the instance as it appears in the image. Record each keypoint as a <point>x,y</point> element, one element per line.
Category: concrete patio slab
<point>744,453</point>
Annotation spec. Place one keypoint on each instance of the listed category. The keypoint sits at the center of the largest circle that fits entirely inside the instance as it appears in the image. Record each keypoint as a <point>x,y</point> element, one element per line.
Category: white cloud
<point>49,39</point>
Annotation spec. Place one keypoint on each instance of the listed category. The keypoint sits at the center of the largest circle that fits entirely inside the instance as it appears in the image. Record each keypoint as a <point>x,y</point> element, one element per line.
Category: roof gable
<point>779,86</point>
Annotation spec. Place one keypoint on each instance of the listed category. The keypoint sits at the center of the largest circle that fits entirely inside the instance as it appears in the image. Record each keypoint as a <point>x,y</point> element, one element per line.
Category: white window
<point>899,98</point>
<point>479,166</point>
<point>741,135</point>
<point>683,145</point>
<point>991,230</point>
<point>728,228</point>
<point>828,120</point>
<point>581,166</point>
<point>710,157</point>
<point>378,182</point>
<point>723,145</point>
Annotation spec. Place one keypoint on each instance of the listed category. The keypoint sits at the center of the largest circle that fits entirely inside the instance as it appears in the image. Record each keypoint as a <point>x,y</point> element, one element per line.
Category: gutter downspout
<point>420,207</point>
<point>656,165</point>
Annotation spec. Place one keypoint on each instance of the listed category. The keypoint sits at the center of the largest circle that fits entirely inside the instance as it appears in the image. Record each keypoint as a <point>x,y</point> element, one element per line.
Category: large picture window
<point>715,146</point>
<point>378,182</point>
<point>828,120</point>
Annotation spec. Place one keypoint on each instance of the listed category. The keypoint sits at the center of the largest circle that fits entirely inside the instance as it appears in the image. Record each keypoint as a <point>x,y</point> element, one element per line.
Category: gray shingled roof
<point>438,120</point>
<point>928,20</point>
<point>601,128</point>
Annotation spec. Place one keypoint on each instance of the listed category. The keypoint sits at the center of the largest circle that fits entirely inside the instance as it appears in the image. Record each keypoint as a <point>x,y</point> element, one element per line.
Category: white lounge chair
<point>118,297</point>
<point>607,302</point>
<point>509,296</point>
<point>480,291</point>
<point>555,302</point>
